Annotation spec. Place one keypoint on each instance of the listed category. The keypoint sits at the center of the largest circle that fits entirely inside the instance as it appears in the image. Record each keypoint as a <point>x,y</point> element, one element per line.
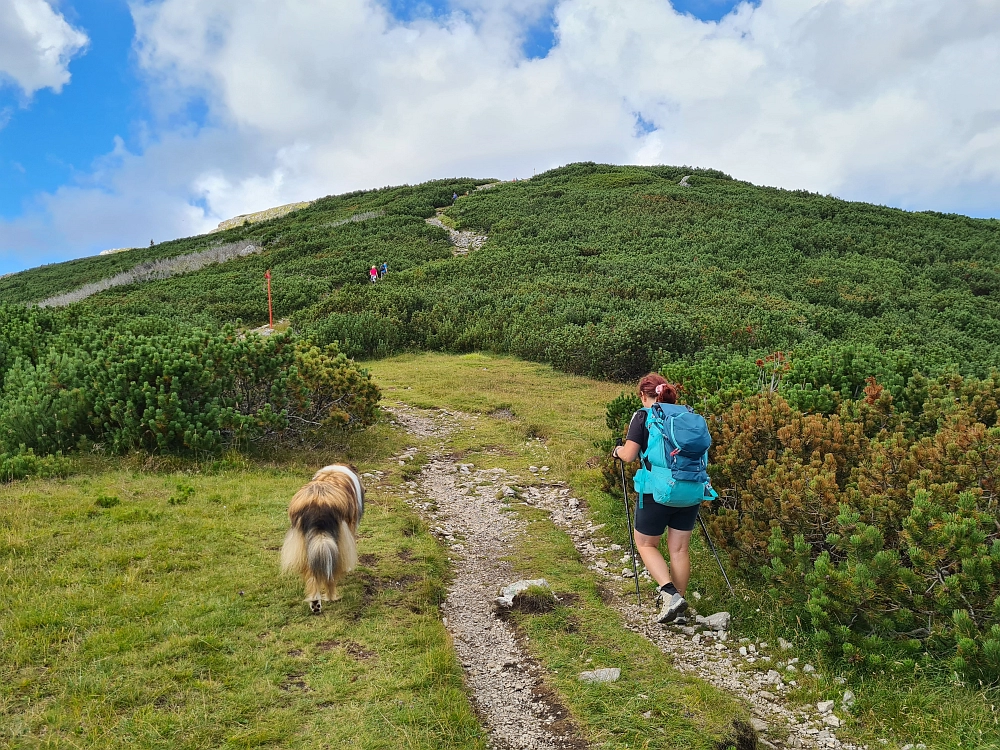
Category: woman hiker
<point>652,518</point>
<point>373,274</point>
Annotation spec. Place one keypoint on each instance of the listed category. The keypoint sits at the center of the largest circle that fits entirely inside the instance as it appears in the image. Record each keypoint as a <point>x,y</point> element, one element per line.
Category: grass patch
<point>154,616</point>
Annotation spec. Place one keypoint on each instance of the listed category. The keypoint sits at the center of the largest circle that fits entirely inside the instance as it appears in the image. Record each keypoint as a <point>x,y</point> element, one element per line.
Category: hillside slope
<point>601,270</point>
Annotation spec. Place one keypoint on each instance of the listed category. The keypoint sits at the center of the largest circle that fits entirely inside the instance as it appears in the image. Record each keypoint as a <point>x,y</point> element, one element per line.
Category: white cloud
<point>892,101</point>
<point>36,44</point>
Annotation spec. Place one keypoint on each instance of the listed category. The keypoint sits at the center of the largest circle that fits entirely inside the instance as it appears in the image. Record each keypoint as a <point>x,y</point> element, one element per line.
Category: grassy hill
<point>599,270</point>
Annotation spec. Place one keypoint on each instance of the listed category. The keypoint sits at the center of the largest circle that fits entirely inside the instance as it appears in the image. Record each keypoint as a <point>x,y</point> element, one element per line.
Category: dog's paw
<point>316,606</point>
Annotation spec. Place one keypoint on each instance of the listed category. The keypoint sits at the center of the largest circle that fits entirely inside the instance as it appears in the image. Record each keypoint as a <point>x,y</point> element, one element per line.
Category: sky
<point>125,122</point>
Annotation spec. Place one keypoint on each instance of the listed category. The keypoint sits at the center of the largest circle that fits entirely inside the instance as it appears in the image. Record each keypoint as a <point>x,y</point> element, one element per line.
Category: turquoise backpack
<point>675,463</point>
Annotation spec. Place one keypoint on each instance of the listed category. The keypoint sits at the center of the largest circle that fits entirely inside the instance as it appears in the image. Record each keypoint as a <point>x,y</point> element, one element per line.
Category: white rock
<point>696,596</point>
<point>839,680</point>
<point>533,469</point>
<point>743,651</point>
<point>763,644</point>
<point>647,715</point>
<point>507,593</point>
<point>773,677</point>
<point>544,468</point>
<point>608,674</point>
<point>627,573</point>
<point>824,707</point>
<point>808,669</point>
<point>848,700</point>
<point>791,668</point>
<point>831,720</point>
<point>718,621</point>
<point>783,644</point>
<point>759,725</point>
<point>766,695</point>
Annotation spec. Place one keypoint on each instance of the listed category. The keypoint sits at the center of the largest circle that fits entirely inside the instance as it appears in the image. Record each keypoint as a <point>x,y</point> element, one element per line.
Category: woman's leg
<point>680,559</point>
<point>649,551</point>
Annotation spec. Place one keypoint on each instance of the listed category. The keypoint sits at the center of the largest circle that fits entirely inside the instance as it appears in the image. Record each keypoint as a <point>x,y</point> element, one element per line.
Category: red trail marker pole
<point>270,311</point>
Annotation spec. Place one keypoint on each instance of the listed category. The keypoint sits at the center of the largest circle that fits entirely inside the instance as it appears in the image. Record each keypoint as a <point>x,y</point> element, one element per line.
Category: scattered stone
<point>627,573</point>
<point>784,645</point>
<point>696,596</point>
<point>808,669</point>
<point>608,674</point>
<point>848,699</point>
<point>791,668</point>
<point>718,621</point>
<point>743,651</point>
<point>507,593</point>
<point>831,720</point>
<point>647,715</point>
<point>824,707</point>
<point>772,677</point>
<point>839,681</point>
<point>759,725</point>
<point>533,469</point>
<point>544,468</point>
<point>766,695</point>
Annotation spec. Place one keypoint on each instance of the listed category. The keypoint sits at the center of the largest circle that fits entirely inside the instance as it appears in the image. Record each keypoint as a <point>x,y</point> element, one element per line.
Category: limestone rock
<point>507,593</point>
<point>608,674</point>
<point>824,707</point>
<point>718,621</point>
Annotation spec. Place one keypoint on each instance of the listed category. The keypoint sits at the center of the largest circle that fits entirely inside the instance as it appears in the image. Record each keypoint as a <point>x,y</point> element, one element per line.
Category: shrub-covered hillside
<point>601,270</point>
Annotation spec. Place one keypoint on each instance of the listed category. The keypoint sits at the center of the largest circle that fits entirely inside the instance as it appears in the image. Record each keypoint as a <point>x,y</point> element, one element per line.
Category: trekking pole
<point>704,530</point>
<point>631,537</point>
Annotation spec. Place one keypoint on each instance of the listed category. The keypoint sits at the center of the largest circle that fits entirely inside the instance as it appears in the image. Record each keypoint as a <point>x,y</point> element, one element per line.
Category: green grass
<point>151,624</point>
<point>123,621</point>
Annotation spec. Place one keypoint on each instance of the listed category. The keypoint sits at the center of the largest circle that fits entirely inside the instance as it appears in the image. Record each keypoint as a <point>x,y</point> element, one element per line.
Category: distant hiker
<point>373,274</point>
<point>383,270</point>
<point>150,243</point>
<point>676,515</point>
<point>454,197</point>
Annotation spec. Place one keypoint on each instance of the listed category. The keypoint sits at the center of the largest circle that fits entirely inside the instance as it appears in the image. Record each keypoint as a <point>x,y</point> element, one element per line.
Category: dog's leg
<point>314,595</point>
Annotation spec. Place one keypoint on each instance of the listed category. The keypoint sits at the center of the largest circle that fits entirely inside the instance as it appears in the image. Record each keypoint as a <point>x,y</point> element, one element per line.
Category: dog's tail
<point>328,556</point>
<point>293,553</point>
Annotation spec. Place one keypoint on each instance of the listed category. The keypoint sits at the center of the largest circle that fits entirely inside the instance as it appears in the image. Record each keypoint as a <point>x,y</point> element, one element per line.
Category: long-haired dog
<point>321,546</point>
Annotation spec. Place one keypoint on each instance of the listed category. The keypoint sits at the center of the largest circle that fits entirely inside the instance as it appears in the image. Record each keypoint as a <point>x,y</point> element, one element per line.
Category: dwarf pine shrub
<point>875,520</point>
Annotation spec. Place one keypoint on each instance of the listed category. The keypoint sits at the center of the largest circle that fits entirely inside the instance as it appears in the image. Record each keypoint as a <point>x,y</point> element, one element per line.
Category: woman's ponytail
<point>656,387</point>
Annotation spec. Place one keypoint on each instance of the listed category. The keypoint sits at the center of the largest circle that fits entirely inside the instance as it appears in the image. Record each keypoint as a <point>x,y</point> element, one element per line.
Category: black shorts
<point>652,519</point>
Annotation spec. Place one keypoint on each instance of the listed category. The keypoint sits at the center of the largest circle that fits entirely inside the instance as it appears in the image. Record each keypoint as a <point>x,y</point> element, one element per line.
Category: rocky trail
<point>462,240</point>
<point>471,511</point>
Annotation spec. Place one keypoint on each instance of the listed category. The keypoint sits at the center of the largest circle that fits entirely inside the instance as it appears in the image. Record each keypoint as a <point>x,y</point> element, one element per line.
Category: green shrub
<point>24,463</point>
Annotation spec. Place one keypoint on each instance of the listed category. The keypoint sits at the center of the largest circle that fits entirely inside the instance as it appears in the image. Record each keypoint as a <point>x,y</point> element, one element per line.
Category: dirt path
<point>461,504</point>
<point>469,509</point>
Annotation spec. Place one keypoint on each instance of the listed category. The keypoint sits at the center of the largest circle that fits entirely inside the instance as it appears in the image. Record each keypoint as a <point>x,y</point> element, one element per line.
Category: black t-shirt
<point>637,431</point>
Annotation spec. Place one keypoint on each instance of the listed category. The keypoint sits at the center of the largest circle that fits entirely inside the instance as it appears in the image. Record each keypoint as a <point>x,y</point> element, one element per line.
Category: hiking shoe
<point>672,607</point>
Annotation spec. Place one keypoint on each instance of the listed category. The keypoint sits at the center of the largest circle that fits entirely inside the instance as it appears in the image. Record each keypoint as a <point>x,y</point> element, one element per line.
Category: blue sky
<point>52,138</point>
<point>93,164</point>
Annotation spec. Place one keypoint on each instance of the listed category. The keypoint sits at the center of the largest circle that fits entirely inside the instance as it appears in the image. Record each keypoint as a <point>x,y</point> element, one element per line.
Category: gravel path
<point>469,510</point>
<point>460,502</point>
<point>463,240</point>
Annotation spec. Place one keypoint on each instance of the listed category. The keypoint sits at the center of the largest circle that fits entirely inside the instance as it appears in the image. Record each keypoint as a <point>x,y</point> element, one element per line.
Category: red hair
<point>656,387</point>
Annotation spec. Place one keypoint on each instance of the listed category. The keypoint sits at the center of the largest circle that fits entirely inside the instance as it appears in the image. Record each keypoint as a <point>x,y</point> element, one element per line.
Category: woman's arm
<point>628,452</point>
